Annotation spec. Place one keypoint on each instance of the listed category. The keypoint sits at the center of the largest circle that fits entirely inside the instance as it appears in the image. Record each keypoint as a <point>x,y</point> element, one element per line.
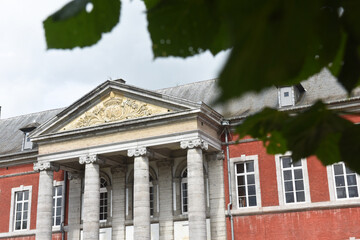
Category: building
<point>128,163</point>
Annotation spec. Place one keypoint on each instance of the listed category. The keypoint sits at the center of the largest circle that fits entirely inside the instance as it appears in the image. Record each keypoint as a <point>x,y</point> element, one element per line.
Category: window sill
<point>18,233</point>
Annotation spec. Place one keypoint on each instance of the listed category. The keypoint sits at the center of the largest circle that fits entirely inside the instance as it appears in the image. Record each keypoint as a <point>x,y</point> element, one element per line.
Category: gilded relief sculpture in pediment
<point>114,108</point>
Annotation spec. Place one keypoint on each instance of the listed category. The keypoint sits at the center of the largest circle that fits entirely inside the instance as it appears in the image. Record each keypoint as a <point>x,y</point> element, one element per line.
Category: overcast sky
<point>34,79</point>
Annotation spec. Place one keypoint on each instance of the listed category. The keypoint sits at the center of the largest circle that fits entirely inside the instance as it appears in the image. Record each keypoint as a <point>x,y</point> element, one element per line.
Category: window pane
<point>59,191</point>
<point>19,196</point>
<point>287,175</point>
<point>26,206</point>
<point>242,201</point>
<point>339,181</point>
<point>299,185</point>
<point>18,216</point>
<point>240,168</point>
<point>289,197</point>
<point>58,211</point>
<point>58,219</point>
<point>298,174</point>
<point>252,201</point>
<point>241,180</point>
<point>17,225</point>
<point>26,195</point>
<point>251,179</point>
<point>25,216</point>
<point>288,186</point>
<point>251,190</point>
<point>286,161</point>
<point>353,192</point>
<point>300,196</point>
<point>250,166</point>
<point>341,192</point>
<point>338,169</point>
<point>242,191</point>
<point>19,207</point>
<point>351,179</point>
<point>58,202</point>
<point>297,164</point>
<point>348,170</point>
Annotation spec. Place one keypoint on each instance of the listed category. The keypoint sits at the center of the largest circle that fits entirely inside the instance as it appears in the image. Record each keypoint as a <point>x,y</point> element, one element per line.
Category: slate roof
<point>321,86</point>
<point>11,136</point>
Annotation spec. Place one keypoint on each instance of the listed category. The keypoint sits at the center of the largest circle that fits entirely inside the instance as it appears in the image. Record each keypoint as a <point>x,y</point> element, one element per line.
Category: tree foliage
<point>277,42</point>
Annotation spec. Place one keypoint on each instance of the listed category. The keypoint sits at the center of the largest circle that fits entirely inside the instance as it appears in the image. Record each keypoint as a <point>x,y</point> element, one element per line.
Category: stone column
<point>196,190</point>
<point>118,201</point>
<point>141,193</point>
<point>45,200</point>
<point>217,196</point>
<point>74,214</point>
<point>91,197</point>
<point>166,224</point>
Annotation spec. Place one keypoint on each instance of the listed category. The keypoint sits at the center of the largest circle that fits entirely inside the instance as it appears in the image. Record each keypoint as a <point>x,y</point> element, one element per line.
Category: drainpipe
<point>226,123</point>
<point>64,208</point>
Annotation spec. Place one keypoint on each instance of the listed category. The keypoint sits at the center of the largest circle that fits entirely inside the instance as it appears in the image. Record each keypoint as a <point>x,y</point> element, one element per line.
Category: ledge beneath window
<point>20,233</point>
<point>295,207</point>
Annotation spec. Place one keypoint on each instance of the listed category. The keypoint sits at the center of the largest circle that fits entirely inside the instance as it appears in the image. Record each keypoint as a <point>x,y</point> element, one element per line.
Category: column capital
<point>140,151</point>
<point>91,158</point>
<point>46,166</point>
<point>165,163</point>
<point>194,143</point>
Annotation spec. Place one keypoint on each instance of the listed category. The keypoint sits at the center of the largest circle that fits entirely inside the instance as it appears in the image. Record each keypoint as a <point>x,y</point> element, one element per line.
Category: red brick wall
<point>319,189</point>
<point>334,224</point>
<point>55,236</point>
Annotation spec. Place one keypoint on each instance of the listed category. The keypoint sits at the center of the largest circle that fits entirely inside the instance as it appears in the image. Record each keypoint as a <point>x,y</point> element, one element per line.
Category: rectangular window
<point>293,180</point>
<point>345,182</point>
<point>57,205</point>
<point>21,210</point>
<point>151,191</point>
<point>184,197</point>
<point>245,182</point>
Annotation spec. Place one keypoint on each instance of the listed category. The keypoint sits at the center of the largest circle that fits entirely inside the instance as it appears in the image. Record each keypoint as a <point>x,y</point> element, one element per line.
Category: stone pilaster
<point>196,190</point>
<point>45,200</point>
<point>141,193</point>
<point>118,201</point>
<point>91,197</point>
<point>217,196</point>
<point>74,214</point>
<point>166,224</point>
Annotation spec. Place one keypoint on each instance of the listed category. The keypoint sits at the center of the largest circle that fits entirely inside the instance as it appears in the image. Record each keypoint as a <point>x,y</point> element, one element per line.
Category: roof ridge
<point>192,83</point>
<point>22,115</point>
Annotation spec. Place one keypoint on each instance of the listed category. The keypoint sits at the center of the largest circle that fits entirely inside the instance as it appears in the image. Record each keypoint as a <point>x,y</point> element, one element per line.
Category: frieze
<point>114,108</point>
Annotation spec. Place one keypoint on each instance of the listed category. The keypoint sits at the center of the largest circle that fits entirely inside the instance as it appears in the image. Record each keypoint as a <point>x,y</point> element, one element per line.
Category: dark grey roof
<point>321,86</point>
<point>11,136</point>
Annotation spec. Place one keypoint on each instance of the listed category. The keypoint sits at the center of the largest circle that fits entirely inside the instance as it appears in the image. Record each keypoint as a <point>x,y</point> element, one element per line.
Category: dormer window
<point>27,143</point>
<point>290,95</point>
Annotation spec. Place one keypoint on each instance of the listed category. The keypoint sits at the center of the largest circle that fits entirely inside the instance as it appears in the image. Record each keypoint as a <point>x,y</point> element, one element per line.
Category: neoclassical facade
<point>123,162</point>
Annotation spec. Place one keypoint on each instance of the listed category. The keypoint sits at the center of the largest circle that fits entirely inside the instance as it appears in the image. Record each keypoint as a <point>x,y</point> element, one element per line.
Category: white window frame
<point>12,208</point>
<point>243,159</point>
<point>332,188</point>
<point>105,190</point>
<point>184,181</point>
<point>280,181</point>
<point>25,145</point>
<point>57,184</point>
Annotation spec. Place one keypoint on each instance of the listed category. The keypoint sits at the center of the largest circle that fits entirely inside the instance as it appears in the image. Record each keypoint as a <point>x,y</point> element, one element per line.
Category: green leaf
<point>72,26</point>
<point>185,27</point>
<point>350,147</point>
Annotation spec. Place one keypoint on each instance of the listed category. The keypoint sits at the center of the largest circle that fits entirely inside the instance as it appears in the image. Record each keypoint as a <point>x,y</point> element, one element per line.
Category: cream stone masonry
<point>118,201</point>
<point>45,200</point>
<point>196,190</point>
<point>166,224</point>
<point>217,196</point>
<point>91,197</point>
<point>141,193</point>
<point>74,218</point>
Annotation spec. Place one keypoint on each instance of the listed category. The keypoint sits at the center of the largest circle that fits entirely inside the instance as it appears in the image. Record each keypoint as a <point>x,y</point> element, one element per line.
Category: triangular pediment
<point>115,107</point>
<point>112,103</point>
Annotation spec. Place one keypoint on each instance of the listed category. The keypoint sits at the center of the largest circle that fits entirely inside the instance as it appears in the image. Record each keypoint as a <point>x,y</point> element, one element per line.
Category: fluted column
<point>74,214</point>
<point>196,190</point>
<point>166,224</point>
<point>45,200</point>
<point>217,196</point>
<point>91,197</point>
<point>141,193</point>
<point>118,201</point>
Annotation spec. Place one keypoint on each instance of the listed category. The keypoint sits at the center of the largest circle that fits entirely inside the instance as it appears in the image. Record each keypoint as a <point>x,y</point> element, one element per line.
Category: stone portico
<point>138,142</point>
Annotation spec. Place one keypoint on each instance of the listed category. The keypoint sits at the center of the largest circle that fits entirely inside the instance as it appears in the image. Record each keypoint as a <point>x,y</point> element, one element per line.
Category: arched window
<point>184,192</point>
<point>104,200</point>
